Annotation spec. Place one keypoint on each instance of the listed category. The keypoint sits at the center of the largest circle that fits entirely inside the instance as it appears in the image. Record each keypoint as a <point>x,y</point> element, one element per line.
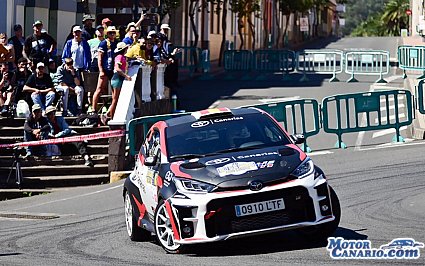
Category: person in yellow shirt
<point>141,51</point>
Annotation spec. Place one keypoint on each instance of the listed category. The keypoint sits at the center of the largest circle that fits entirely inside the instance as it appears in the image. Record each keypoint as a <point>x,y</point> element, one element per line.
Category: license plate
<point>259,207</point>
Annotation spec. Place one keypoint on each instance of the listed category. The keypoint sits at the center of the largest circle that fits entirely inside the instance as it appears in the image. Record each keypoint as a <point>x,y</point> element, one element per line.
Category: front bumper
<point>202,218</point>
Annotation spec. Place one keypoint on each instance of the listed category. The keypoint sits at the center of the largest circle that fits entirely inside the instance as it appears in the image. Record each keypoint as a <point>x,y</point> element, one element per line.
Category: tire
<point>163,230</point>
<point>323,231</point>
<point>133,230</point>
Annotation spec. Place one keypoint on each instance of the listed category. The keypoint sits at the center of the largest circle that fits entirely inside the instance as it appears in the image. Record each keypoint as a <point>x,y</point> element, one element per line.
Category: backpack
<point>87,120</point>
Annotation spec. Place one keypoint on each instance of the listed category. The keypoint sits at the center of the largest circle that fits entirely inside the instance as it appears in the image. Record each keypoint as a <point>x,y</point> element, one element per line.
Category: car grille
<point>298,208</point>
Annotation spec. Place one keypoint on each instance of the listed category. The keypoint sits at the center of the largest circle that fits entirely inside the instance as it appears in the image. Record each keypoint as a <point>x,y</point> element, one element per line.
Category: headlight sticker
<point>237,168</point>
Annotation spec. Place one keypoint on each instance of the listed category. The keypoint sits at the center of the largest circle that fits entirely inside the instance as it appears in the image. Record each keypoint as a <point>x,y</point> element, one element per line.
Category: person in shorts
<point>106,64</point>
<point>120,73</point>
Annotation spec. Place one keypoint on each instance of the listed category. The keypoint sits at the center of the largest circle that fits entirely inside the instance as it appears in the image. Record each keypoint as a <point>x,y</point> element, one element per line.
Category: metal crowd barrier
<point>297,116</point>
<point>320,62</point>
<point>411,58</point>
<point>420,99</point>
<point>378,110</point>
<point>138,129</point>
<point>269,61</point>
<point>237,61</point>
<point>189,58</point>
<point>367,63</point>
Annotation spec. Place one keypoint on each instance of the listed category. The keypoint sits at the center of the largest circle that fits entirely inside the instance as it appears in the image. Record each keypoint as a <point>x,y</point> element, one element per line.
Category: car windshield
<point>223,135</point>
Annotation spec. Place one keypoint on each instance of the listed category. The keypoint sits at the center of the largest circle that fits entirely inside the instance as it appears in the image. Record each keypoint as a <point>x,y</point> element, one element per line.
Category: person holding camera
<point>39,46</point>
<point>36,127</point>
<point>40,86</point>
<point>68,80</point>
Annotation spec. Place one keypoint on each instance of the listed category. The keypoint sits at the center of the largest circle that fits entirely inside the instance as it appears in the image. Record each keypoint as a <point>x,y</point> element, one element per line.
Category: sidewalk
<point>411,82</point>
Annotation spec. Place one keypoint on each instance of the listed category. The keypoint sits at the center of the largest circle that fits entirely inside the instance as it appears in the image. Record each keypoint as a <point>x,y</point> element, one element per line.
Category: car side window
<point>155,146</point>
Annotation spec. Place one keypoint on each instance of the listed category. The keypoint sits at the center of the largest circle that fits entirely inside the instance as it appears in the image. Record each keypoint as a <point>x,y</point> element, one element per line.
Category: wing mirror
<point>298,138</point>
<point>150,161</point>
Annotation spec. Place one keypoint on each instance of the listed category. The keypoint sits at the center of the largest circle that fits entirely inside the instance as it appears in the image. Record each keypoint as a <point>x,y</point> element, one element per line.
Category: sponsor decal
<point>399,248</point>
<point>257,155</point>
<point>220,120</point>
<point>151,177</point>
<point>237,168</point>
<point>200,124</point>
<point>169,175</point>
<point>265,164</point>
<point>218,161</point>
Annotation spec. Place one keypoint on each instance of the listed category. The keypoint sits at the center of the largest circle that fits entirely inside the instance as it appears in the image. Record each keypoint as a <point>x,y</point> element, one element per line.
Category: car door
<point>149,174</point>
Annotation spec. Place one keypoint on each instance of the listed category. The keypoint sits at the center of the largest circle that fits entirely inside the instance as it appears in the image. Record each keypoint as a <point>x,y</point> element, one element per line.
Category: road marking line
<point>74,197</point>
<point>315,153</point>
<point>386,132</point>
<point>284,99</point>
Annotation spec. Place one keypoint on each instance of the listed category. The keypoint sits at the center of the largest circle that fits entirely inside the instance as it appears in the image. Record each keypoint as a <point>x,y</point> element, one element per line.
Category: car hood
<point>238,169</point>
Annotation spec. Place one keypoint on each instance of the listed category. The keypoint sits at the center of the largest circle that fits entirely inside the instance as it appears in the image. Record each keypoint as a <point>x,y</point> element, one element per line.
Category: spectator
<point>106,22</point>
<point>36,127</point>
<point>39,46</point>
<point>7,52</point>
<point>60,129</point>
<point>171,72</point>
<point>52,68</point>
<point>71,33</point>
<point>94,46</point>
<point>120,73</point>
<point>88,30</point>
<point>106,63</point>
<point>79,50</point>
<point>18,42</point>
<point>132,31</point>
<point>67,80</point>
<point>41,87</point>
<point>7,88</point>
<point>22,74</point>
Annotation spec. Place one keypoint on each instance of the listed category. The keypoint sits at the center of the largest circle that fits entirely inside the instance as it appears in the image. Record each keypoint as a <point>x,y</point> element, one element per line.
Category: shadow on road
<point>271,243</point>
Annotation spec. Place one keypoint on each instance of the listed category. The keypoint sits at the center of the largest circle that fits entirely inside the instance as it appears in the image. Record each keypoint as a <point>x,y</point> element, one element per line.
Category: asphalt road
<point>381,187</point>
<point>381,190</point>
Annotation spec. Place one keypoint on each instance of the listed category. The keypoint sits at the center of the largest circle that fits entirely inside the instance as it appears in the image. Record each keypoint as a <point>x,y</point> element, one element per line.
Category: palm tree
<point>395,17</point>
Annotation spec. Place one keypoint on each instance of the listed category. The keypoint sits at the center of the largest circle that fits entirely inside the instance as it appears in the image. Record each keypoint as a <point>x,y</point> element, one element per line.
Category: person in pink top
<point>120,73</point>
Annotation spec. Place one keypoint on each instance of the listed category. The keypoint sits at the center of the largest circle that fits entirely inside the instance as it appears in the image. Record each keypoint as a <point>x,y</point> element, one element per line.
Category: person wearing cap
<point>40,85</point>
<point>120,74</point>
<point>106,22</point>
<point>172,70</point>
<point>17,41</point>
<point>67,80</point>
<point>79,50</point>
<point>36,127</point>
<point>94,46</point>
<point>88,30</point>
<point>105,63</point>
<point>39,46</point>
<point>59,128</point>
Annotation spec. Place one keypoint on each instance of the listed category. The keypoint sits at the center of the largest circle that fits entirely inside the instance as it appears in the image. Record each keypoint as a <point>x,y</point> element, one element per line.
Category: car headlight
<point>304,169</point>
<point>192,186</point>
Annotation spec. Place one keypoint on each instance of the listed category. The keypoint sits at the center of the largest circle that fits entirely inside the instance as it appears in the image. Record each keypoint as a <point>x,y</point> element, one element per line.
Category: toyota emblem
<point>200,124</point>
<point>255,185</point>
<point>218,161</point>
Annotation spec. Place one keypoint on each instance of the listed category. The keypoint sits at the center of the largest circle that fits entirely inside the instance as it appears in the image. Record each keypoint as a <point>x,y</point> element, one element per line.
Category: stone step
<point>17,139</point>
<point>54,181</point>
<point>19,122</point>
<point>56,170</point>
<point>92,149</point>
<point>19,131</point>
<point>55,160</point>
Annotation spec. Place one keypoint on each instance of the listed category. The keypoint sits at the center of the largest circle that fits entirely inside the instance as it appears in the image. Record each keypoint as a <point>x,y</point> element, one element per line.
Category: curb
<point>116,176</point>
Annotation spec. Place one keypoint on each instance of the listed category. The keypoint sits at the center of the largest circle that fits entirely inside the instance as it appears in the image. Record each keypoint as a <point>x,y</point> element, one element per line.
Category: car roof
<point>210,113</point>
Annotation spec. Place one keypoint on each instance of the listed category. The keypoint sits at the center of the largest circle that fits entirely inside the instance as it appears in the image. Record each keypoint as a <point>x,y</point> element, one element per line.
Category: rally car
<point>225,173</point>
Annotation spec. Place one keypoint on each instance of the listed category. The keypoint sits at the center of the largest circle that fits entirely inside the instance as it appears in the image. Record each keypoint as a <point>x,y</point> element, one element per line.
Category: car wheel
<point>164,231</point>
<point>134,231</point>
<point>323,231</point>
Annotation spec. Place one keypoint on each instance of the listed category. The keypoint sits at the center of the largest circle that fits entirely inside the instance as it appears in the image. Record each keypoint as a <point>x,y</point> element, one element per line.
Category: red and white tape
<point>100,135</point>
